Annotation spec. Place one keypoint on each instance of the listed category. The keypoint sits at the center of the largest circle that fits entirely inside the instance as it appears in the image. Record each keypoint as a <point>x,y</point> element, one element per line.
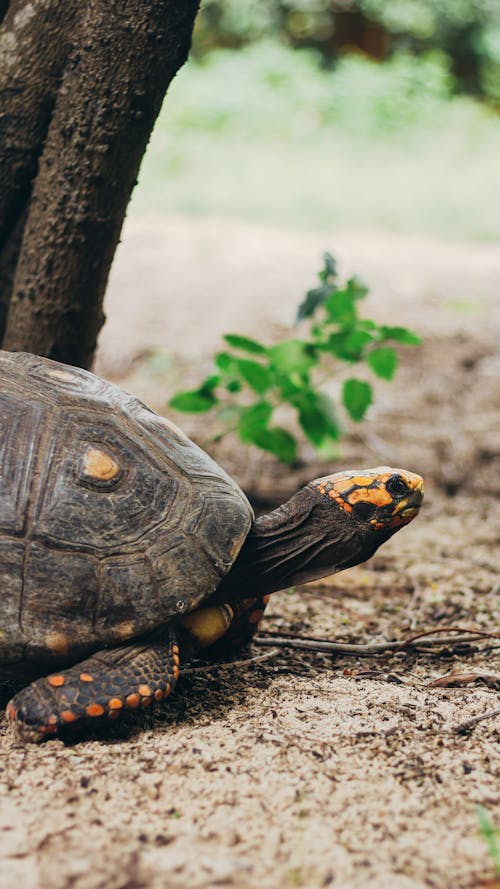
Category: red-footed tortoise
<point>124,546</point>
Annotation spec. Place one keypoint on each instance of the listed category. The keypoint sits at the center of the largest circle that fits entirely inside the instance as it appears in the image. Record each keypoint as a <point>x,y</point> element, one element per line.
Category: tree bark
<point>81,86</point>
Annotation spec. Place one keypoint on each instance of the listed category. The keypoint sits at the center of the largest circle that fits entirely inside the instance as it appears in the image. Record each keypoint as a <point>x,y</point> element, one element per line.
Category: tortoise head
<point>381,499</point>
<point>333,523</point>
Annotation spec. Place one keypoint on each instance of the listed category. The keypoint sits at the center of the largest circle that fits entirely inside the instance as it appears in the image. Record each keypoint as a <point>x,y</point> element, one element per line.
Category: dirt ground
<point>301,769</point>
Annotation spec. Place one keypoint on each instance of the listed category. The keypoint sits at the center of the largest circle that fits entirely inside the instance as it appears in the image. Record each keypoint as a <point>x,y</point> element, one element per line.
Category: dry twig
<point>463,727</point>
<point>309,643</point>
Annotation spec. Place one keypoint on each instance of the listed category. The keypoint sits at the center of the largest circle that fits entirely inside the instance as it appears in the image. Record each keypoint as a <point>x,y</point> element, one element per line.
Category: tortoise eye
<point>396,486</point>
<point>364,510</point>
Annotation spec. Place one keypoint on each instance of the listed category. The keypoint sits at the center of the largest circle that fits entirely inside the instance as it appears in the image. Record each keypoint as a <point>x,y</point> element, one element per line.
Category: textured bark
<point>80,88</point>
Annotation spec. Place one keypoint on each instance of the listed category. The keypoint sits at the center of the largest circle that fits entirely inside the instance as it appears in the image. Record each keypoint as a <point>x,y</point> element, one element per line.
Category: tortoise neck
<point>292,545</point>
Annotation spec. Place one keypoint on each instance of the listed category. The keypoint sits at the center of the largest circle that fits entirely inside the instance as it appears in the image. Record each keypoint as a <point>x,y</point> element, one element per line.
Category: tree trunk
<point>81,85</point>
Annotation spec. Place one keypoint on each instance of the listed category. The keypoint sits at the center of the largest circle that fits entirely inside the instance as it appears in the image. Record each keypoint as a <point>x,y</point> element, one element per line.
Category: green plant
<point>251,379</point>
<point>489,834</point>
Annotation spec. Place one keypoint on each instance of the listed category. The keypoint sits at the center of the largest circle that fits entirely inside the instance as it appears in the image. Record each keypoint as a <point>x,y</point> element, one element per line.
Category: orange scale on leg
<point>133,700</point>
<point>115,704</point>
<point>55,681</point>
<point>94,710</point>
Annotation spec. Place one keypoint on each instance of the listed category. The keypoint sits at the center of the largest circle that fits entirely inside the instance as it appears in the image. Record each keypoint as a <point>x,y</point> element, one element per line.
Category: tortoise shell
<point>111,520</point>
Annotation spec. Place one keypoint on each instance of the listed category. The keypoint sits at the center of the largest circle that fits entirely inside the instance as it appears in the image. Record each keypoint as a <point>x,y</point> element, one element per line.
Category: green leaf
<point>293,356</point>
<point>245,343</point>
<point>253,420</point>
<point>346,345</point>
<point>400,334</point>
<point>357,288</point>
<point>357,397</point>
<point>317,416</point>
<point>224,361</point>
<point>278,441</point>
<point>383,362</point>
<point>194,401</point>
<point>288,385</point>
<point>313,299</point>
<point>256,375</point>
<point>341,308</point>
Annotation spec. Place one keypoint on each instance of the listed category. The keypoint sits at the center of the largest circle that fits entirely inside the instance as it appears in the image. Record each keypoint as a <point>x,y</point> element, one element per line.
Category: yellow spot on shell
<point>99,465</point>
<point>57,642</point>
<point>125,630</point>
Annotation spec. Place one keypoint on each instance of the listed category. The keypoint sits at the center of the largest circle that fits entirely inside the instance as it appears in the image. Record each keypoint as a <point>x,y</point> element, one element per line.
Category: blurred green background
<point>317,114</point>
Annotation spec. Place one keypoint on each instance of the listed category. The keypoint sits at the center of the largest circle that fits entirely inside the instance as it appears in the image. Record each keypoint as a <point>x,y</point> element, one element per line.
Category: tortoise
<point>123,546</point>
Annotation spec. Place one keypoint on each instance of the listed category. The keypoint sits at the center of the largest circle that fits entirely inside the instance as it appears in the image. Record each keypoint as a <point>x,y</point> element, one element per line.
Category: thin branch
<point>358,650</point>
<point>460,680</point>
<point>463,727</point>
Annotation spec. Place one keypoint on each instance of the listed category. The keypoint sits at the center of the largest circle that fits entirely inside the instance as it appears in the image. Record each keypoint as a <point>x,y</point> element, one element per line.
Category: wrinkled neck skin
<point>302,540</point>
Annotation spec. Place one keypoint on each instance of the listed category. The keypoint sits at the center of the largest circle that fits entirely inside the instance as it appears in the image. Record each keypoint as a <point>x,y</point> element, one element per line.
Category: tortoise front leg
<point>219,628</point>
<point>103,686</point>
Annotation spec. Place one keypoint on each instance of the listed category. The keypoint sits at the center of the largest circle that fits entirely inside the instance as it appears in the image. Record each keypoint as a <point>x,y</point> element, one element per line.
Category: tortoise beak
<point>410,505</point>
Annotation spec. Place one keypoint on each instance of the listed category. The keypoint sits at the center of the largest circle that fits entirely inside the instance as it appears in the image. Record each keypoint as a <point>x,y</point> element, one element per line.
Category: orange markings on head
<point>175,672</point>
<point>168,689</point>
<point>115,703</point>
<point>56,681</point>
<point>133,700</point>
<point>343,484</point>
<point>158,695</point>
<point>145,691</point>
<point>99,465</point>
<point>11,711</point>
<point>94,710</point>
<point>377,496</point>
<point>265,599</point>
<point>68,716</point>
<point>86,677</point>
<point>362,481</point>
<point>175,649</point>
<point>340,500</point>
<point>176,660</point>
<point>113,714</point>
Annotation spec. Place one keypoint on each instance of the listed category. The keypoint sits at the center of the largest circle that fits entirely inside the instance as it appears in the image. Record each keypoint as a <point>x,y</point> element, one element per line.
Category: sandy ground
<point>301,769</point>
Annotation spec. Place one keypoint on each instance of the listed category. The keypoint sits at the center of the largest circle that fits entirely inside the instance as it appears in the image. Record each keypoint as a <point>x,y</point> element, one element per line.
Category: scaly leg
<point>102,686</point>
